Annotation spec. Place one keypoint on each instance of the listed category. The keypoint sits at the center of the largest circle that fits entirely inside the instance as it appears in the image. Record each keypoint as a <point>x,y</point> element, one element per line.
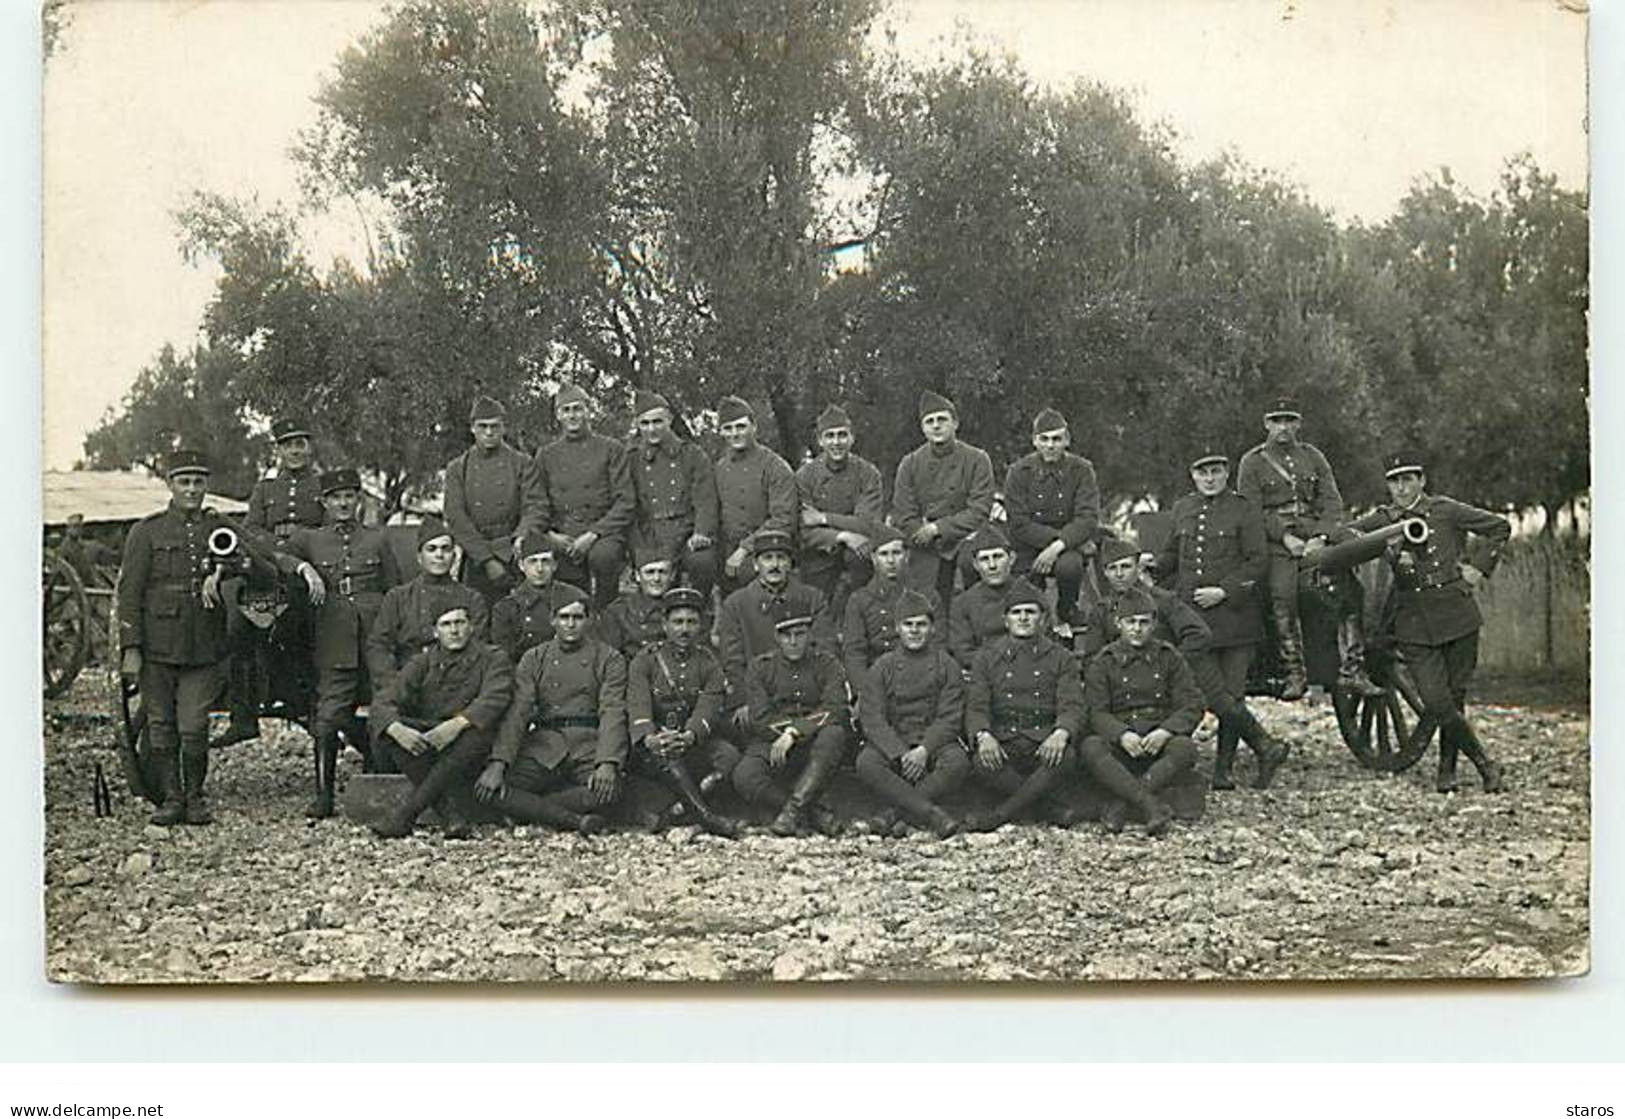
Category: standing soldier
<point>748,623</point>
<point>675,488</point>
<point>674,692</point>
<point>346,567</point>
<point>1436,620</point>
<point>288,496</point>
<point>1292,483</point>
<point>1144,703</point>
<point>172,634</point>
<point>842,507</point>
<point>438,717</point>
<point>491,500</point>
<point>638,617</point>
<point>756,491</point>
<point>943,494</point>
<point>584,487</point>
<point>870,627</point>
<point>1052,501</point>
<point>798,712</point>
<point>913,704</point>
<point>408,617</point>
<point>559,754</point>
<point>977,615</point>
<point>1023,709</point>
<point>1215,557</point>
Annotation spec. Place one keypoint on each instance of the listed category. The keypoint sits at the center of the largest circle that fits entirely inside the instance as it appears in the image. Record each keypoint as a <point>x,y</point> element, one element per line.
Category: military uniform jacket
<point>1219,542</point>
<point>631,622</point>
<point>475,682</point>
<point>951,486</point>
<point>977,616</point>
<point>1178,623</point>
<point>160,588</point>
<point>669,689</point>
<point>404,626</point>
<point>913,699</point>
<point>1023,689</point>
<point>804,695</point>
<point>1433,604</point>
<point>1295,489</point>
<point>870,626</point>
<point>755,490</point>
<point>745,625</point>
<point>357,565</point>
<point>574,699</point>
<point>584,484</point>
<point>283,500</point>
<point>491,497</point>
<point>1141,690</point>
<point>675,489</point>
<point>850,496</point>
<point>523,618</point>
<point>1045,503</point>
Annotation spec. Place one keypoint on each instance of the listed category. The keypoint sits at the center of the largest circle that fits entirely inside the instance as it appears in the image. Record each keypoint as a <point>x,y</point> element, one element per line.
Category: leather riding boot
<point>1131,790</point>
<point>791,818</point>
<point>682,783</point>
<point>194,770</point>
<point>1289,642</point>
<point>1351,672</point>
<point>1032,788</point>
<point>166,764</point>
<point>544,810</point>
<point>1489,773</point>
<point>327,761</point>
<point>1225,755</point>
<point>1445,782</point>
<point>243,692</point>
<point>1270,752</point>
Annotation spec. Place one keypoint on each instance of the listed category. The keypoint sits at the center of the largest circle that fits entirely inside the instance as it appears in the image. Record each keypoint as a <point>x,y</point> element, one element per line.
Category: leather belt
<point>559,722</point>
<point>1024,718</point>
<point>356,584</point>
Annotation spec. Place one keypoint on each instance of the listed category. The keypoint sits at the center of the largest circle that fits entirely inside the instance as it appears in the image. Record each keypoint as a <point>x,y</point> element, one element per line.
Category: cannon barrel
<point>223,542</point>
<point>1370,545</point>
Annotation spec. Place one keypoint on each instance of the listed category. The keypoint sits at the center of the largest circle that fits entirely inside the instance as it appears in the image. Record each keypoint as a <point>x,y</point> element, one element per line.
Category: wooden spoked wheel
<point>66,623</point>
<point>1386,732</point>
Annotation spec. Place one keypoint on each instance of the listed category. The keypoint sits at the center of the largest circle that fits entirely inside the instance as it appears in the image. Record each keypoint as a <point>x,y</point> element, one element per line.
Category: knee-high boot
<point>327,762</point>
<point>1270,752</point>
<point>1224,756</point>
<point>683,784</point>
<point>1034,786</point>
<point>166,766</point>
<point>194,770</point>
<point>1289,641</point>
<point>791,818</point>
<point>1489,773</point>
<point>1131,790</point>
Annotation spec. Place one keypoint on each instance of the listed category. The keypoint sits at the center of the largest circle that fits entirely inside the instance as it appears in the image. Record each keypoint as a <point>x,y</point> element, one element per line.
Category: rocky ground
<point>1334,873</point>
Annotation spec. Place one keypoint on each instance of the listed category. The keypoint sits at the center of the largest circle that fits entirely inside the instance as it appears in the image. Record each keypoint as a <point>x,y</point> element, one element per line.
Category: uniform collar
<point>671,447</point>
<point>1124,652</point>
<point>942,450</point>
<point>835,467</point>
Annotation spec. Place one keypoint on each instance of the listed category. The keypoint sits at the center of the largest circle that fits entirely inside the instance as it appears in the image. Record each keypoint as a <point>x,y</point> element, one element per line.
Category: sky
<point>149,100</point>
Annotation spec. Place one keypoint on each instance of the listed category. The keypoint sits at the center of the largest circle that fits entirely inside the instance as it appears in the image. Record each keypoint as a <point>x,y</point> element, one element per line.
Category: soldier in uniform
<point>638,617</point>
<point>284,499</point>
<point>438,717</point>
<point>1178,622</point>
<point>796,696</point>
<point>1143,705</point>
<point>1052,502</point>
<point>1436,619</point>
<point>491,500</point>
<point>562,744</point>
<point>346,567</point>
<point>1292,483</point>
<point>675,488</point>
<point>407,618</point>
<point>172,634</point>
<point>523,618</point>
<point>977,615</point>
<point>913,704</point>
<point>842,507</point>
<point>756,491</point>
<point>584,487</point>
<point>747,625</point>
<point>674,694</point>
<point>1216,557</point>
<point>1023,710</point>
<point>870,626</point>
<point>942,495</point>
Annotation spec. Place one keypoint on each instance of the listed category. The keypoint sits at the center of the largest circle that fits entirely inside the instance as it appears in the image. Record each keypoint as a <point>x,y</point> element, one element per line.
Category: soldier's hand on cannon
<point>1044,562</point>
<point>1471,575</point>
<point>314,587</point>
<point>129,665</point>
<point>1155,741</point>
<point>1133,745</point>
<point>989,753</point>
<point>211,589</point>
<point>1312,546</point>
<point>1208,597</point>
<point>1295,544</point>
<point>496,571</point>
<point>914,761</point>
<point>490,781</point>
<point>697,541</point>
<point>582,544</point>
<point>408,739</point>
<point>736,561</point>
<point>1053,748</point>
<point>925,534</point>
<point>605,779</point>
<point>779,752</point>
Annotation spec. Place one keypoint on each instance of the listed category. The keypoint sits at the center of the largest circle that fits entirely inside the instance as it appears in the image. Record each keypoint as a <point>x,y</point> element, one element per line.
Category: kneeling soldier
<point>439,716</point>
<point>913,703</point>
<point>559,753</point>
<point>1143,704</point>
<point>674,695</point>
<point>796,697</point>
<point>1023,708</point>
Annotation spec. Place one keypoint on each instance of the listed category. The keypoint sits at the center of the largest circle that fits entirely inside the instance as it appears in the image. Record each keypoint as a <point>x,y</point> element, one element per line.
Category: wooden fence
<point>1537,608</point>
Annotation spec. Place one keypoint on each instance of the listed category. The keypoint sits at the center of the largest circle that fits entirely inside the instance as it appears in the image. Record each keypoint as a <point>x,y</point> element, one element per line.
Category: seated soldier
<point>406,621</point>
<point>439,715</point>
<point>559,753</point>
<point>674,693</point>
<point>745,626</point>
<point>870,629</point>
<point>638,617</point>
<point>523,618</point>
<point>796,697</point>
<point>913,704</point>
<point>1023,708</point>
<point>1143,705</point>
<point>1053,504</point>
<point>977,615</point>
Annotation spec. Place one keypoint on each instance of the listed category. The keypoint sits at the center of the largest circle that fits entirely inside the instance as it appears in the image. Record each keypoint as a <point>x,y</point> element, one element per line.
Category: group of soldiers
<point>780,621</point>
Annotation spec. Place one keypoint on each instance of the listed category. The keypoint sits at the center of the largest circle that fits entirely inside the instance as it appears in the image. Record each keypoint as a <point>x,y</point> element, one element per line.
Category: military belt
<point>560,722</point>
<point>356,584</point>
<point>673,718</point>
<point>1289,509</point>
<point>1432,586</point>
<point>1024,718</point>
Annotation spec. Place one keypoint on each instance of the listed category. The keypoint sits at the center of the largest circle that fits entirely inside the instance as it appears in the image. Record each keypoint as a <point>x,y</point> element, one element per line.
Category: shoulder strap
<point>1286,475</point>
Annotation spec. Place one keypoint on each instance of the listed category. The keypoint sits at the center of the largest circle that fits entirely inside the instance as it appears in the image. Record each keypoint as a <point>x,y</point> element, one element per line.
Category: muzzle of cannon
<point>223,543</point>
<point>1352,553</point>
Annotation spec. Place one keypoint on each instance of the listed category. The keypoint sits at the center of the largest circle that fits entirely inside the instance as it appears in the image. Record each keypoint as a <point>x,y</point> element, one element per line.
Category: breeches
<point>754,776</point>
<point>601,568</point>
<point>1283,578</point>
<point>529,775</point>
<point>177,698</point>
<point>338,691</point>
<point>715,755</point>
<point>462,757</point>
<point>1222,676</point>
<point>1021,758</point>
<point>1179,752</point>
<point>1068,574</point>
<point>1443,674</point>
